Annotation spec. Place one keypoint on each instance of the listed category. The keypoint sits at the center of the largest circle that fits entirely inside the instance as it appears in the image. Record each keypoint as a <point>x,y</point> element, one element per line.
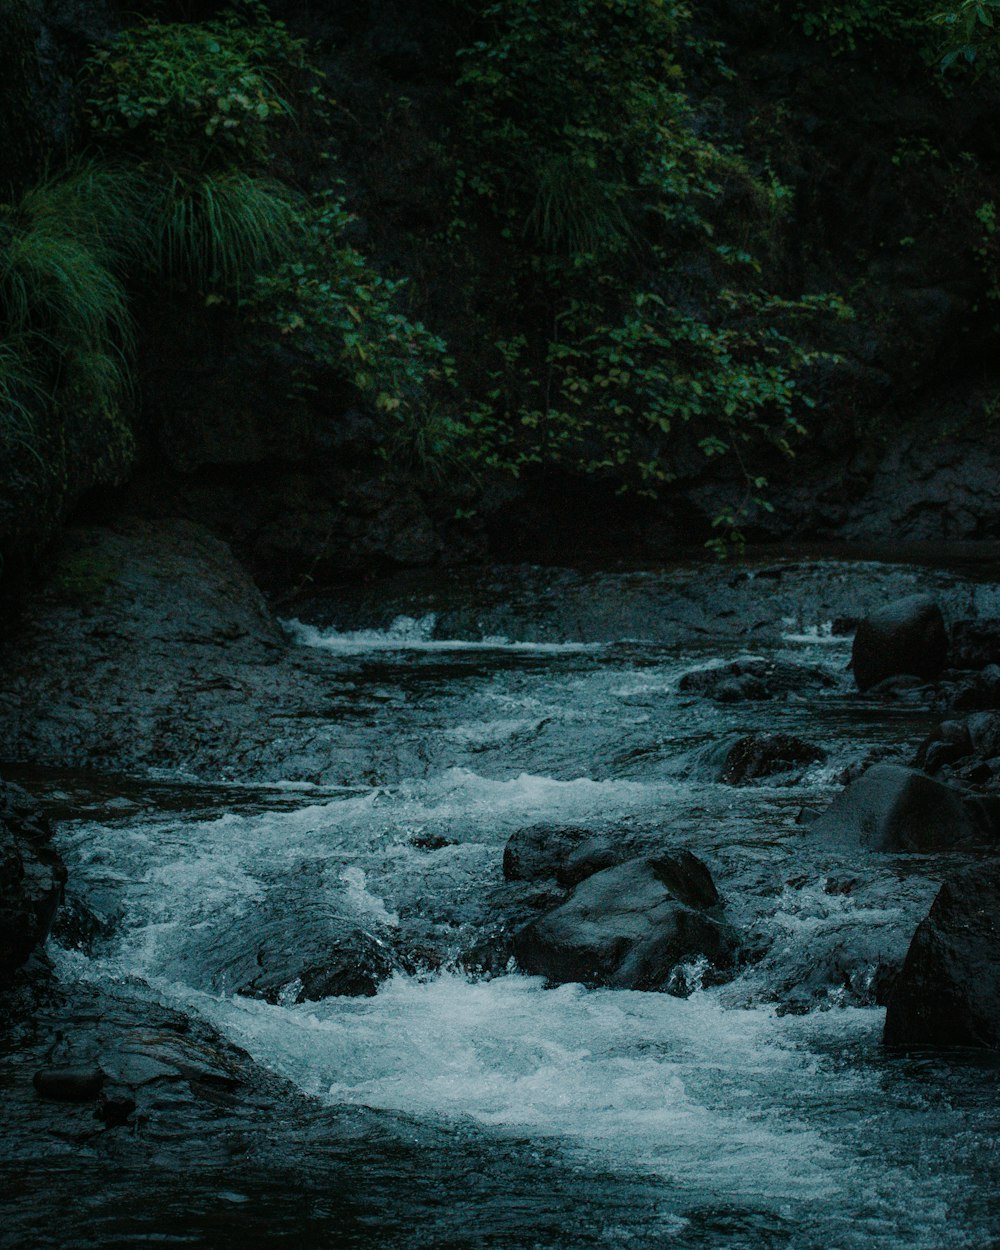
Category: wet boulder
<point>948,992</point>
<point>591,856</point>
<point>968,750</point>
<point>971,692</point>
<point>764,755</point>
<point>32,877</point>
<point>974,644</point>
<point>630,926</point>
<point>891,808</point>
<point>882,754</point>
<point>904,637</point>
<point>351,965</point>
<point>753,679</point>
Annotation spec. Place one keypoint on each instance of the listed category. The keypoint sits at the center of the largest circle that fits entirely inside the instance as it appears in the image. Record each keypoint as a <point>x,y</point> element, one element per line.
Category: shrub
<point>577,120</point>
<point>194,105</point>
<point>219,230</point>
<point>340,316</point>
<point>196,93</point>
<point>633,321</point>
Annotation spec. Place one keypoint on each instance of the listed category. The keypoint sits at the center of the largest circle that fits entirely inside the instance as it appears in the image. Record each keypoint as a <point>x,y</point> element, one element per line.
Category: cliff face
<point>880,173</point>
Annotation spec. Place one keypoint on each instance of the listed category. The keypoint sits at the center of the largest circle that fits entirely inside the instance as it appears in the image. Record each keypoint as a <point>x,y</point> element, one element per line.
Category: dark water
<point>450,1110</point>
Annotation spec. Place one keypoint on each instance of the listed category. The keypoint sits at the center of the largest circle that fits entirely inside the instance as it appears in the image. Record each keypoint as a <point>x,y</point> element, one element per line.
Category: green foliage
<point>432,441</point>
<point>182,113</point>
<point>340,316</point>
<point>578,121</point>
<point>972,32</point>
<point>195,105</point>
<point>846,24</point>
<point>64,311</point>
<point>573,211</point>
<point>196,93</point>
<point>632,326</point>
<point>612,395</point>
<point>65,341</point>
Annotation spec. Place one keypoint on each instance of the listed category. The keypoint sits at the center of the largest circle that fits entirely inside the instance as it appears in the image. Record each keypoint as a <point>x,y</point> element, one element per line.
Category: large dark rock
<point>630,926</point>
<point>753,679</point>
<point>891,808</point>
<point>948,993</point>
<point>32,877</point>
<point>763,755</point>
<point>907,636</point>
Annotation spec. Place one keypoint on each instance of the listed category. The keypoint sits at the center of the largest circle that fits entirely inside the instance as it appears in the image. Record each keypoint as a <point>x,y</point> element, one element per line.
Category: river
<point>467,1108</point>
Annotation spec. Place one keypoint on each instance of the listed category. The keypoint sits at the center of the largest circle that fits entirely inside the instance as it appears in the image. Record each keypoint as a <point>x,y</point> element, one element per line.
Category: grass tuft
<point>221,230</point>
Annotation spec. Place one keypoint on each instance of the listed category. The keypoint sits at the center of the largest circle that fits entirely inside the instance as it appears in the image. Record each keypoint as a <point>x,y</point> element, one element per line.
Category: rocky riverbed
<point>520,907</point>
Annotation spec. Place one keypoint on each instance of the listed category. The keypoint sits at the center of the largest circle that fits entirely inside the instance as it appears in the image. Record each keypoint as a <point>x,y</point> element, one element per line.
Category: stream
<point>459,1107</point>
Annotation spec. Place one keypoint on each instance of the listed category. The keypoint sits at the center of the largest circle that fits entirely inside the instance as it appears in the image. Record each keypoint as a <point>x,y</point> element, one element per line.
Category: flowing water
<point>759,1113</point>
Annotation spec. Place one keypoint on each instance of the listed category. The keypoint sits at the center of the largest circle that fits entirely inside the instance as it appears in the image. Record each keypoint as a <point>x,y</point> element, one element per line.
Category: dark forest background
<point>377,283</point>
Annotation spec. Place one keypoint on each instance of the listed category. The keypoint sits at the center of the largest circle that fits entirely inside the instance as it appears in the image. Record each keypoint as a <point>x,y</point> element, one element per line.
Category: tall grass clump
<point>65,248</point>
<point>222,229</point>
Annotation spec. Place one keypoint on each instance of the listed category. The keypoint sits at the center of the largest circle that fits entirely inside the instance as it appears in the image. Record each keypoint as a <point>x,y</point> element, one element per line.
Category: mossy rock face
<point>83,574</point>
<point>42,44</point>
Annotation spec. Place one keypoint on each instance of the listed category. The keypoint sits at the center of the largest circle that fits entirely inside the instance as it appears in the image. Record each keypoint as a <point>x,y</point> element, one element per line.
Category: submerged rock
<point>906,636</point>
<point>948,993</point>
<point>753,680</point>
<point>630,926</point>
<point>891,808</point>
<point>763,755</point>
<point>32,877</point>
<point>352,965</point>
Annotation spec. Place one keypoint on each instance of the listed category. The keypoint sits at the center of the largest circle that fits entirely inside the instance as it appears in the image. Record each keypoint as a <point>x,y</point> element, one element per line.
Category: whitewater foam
<point>408,633</point>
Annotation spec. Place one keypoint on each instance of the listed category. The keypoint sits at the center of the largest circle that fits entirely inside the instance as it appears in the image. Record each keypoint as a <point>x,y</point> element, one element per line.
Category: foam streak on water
<point>407,633</point>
